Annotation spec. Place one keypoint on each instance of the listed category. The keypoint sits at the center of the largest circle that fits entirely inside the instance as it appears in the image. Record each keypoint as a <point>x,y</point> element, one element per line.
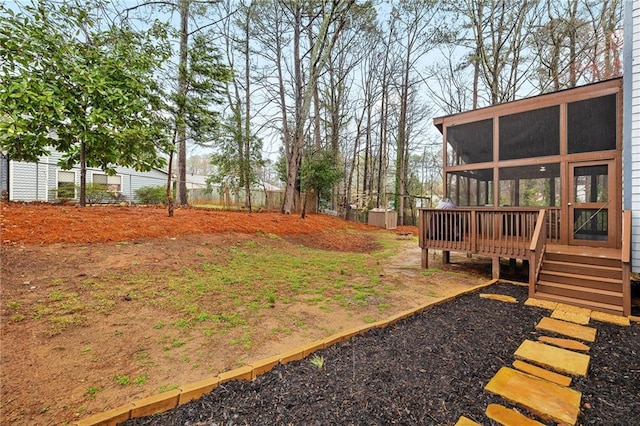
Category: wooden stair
<point>582,276</point>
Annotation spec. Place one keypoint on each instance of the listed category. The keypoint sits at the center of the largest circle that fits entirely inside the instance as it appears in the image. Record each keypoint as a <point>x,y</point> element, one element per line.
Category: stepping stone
<point>558,359</point>
<point>572,345</point>
<point>508,416</point>
<point>610,318</point>
<point>465,421</point>
<point>574,309</point>
<point>577,331</point>
<point>539,303</point>
<point>534,370</point>
<point>575,317</point>
<point>544,399</point>
<point>500,297</point>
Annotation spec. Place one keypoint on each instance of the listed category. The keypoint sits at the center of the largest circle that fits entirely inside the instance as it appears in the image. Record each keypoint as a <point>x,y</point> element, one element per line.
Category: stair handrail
<point>536,249</point>
<point>626,262</point>
<point>626,236</point>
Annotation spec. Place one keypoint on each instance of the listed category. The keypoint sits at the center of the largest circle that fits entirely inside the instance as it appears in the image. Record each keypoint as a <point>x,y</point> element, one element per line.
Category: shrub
<point>96,193</point>
<point>152,195</point>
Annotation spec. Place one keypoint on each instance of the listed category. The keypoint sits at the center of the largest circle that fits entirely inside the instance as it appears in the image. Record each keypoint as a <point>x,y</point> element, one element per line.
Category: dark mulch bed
<point>429,369</point>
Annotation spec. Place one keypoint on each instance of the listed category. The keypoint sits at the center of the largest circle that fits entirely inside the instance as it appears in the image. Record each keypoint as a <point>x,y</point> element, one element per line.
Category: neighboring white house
<point>631,125</point>
<point>45,180</point>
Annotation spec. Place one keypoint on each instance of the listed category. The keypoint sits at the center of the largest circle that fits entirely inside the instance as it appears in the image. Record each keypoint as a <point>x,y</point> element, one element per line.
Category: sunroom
<point>539,179</point>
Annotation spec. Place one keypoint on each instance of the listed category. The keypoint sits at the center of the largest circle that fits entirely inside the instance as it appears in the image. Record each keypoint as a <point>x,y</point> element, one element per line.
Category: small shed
<point>387,219</point>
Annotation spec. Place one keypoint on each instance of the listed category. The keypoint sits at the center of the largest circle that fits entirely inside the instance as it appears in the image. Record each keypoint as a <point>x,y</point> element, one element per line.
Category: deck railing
<point>500,232</point>
<point>552,224</point>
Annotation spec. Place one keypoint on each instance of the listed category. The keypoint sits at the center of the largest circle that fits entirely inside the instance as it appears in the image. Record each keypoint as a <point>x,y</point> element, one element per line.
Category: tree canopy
<point>73,84</point>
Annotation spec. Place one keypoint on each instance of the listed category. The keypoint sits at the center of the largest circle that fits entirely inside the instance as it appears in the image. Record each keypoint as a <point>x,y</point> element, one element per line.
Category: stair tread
<point>581,288</point>
<point>581,276</point>
<point>572,300</point>
<point>584,251</point>
<point>588,265</point>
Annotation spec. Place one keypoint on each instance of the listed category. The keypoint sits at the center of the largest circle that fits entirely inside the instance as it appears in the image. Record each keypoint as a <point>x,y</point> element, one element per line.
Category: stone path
<point>540,379</point>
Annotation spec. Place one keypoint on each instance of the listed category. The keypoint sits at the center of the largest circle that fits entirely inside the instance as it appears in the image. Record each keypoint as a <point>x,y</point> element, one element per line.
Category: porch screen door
<point>592,204</point>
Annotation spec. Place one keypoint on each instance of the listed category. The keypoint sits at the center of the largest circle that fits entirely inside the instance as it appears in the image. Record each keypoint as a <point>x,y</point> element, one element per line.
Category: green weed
<point>92,391</point>
<point>140,380</point>
<point>122,380</point>
<point>317,361</point>
<point>14,305</point>
<point>167,388</point>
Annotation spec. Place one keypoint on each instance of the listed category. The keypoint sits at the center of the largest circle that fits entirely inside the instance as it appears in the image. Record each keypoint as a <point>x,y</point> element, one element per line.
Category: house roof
<point>532,102</point>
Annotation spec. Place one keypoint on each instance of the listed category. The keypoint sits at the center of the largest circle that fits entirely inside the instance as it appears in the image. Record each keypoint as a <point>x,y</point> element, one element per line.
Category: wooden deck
<point>593,277</point>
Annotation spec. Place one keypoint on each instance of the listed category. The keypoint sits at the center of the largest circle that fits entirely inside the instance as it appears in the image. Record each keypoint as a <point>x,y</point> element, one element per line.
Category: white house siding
<point>631,125</point>
<point>28,181</point>
<point>132,180</point>
<point>38,181</point>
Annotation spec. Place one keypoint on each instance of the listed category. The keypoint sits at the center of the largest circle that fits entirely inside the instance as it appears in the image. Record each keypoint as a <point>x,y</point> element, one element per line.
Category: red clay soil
<point>28,224</point>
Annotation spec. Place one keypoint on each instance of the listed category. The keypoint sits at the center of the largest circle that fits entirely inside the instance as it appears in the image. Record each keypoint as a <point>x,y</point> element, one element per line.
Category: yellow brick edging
<point>168,400</point>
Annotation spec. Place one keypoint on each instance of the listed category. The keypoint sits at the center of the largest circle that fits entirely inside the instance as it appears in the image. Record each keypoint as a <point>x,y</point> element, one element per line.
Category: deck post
<point>446,257</point>
<point>495,267</point>
<point>425,258</point>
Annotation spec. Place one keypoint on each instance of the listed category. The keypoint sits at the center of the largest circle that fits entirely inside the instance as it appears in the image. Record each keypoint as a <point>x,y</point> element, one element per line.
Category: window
<point>590,184</point>
<point>110,183</point>
<point>66,185</point>
<point>592,125</point>
<point>529,134</point>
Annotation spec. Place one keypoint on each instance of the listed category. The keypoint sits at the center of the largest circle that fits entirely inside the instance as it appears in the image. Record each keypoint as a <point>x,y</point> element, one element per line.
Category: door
<point>592,204</point>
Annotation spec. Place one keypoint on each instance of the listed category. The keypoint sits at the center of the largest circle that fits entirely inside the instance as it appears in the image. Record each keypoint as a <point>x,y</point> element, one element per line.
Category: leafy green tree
<point>89,93</point>
<point>320,172</point>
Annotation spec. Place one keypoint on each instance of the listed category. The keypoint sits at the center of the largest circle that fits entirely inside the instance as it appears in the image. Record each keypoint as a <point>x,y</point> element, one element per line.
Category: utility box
<point>377,218</point>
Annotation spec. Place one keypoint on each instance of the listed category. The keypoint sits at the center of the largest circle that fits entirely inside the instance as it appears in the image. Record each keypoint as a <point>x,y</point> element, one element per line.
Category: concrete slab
<point>577,331</point>
<point>534,370</point>
<point>557,359</point>
<point>499,297</point>
<point>610,318</point>
<point>508,416</point>
<point>572,316</point>
<point>541,397</point>
<point>465,421</point>
<point>574,309</point>
<point>572,345</point>
<point>539,303</point>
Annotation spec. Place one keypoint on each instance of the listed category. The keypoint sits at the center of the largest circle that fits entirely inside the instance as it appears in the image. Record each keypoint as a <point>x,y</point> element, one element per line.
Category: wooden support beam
<point>425,258</point>
<point>495,267</point>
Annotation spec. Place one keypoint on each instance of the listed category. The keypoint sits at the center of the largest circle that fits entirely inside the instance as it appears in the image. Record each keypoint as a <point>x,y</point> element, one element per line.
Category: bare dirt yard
<point>101,306</point>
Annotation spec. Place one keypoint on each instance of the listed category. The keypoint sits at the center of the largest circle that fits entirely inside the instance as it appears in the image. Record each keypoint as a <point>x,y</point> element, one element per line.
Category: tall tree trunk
<point>366,187</point>
<point>169,189</point>
<point>246,161</point>
<point>83,174</point>
<point>181,124</point>
<point>294,155</point>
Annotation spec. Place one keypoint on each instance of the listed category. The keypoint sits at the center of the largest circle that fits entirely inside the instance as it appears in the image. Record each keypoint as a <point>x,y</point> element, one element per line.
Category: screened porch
<point>535,174</point>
